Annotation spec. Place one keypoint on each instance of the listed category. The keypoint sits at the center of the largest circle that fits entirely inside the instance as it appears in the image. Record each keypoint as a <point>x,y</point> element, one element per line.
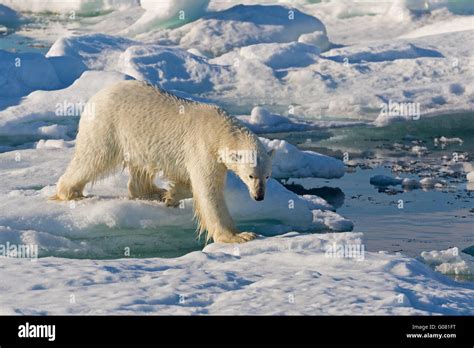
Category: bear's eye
<point>251,176</point>
<point>267,177</point>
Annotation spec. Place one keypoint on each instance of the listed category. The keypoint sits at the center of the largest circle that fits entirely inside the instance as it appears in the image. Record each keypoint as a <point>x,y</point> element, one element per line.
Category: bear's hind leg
<point>96,155</point>
<point>67,190</point>
<point>79,172</point>
<point>141,184</point>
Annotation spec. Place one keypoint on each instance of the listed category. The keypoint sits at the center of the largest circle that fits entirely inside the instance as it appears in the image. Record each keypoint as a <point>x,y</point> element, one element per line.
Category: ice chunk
<point>22,73</point>
<point>316,202</point>
<point>289,161</point>
<point>384,180</point>
<point>316,38</point>
<point>96,51</point>
<point>410,183</point>
<point>171,68</point>
<point>262,116</point>
<point>54,131</point>
<point>52,144</point>
<point>432,182</point>
<point>447,141</point>
<point>164,13</point>
<point>263,121</point>
<point>419,150</point>
<point>470,176</point>
<point>334,221</point>
<point>282,205</point>
<point>447,261</point>
<point>456,268</point>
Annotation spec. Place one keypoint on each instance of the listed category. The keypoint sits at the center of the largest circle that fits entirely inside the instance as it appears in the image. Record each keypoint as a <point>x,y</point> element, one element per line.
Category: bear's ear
<point>271,153</point>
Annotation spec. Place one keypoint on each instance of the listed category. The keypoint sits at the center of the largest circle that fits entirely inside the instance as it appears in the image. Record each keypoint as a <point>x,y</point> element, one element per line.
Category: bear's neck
<point>241,140</point>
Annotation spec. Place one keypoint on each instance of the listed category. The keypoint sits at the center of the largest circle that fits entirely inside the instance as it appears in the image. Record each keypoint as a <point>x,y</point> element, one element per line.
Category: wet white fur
<point>148,130</point>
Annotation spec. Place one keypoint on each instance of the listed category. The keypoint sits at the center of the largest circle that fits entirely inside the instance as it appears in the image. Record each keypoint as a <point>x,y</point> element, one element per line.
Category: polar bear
<point>193,145</point>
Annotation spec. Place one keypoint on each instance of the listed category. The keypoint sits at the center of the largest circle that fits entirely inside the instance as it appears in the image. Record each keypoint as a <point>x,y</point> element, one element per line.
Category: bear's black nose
<point>259,198</point>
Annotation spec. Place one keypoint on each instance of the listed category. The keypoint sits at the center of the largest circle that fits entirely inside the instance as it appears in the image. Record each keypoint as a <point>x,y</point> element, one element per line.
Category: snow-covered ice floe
<point>328,274</point>
<point>29,176</point>
<point>220,32</point>
<point>288,46</point>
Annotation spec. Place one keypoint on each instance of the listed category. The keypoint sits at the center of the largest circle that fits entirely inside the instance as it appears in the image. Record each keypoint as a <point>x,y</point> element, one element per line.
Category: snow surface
<point>316,38</point>
<point>290,274</point>
<point>446,26</point>
<point>274,55</point>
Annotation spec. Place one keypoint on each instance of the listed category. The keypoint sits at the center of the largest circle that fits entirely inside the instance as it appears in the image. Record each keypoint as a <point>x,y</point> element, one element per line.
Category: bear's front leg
<point>241,237</point>
<point>211,209</point>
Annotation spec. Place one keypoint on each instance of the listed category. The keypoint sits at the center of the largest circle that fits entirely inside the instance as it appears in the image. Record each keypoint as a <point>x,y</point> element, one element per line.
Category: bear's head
<point>253,167</point>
